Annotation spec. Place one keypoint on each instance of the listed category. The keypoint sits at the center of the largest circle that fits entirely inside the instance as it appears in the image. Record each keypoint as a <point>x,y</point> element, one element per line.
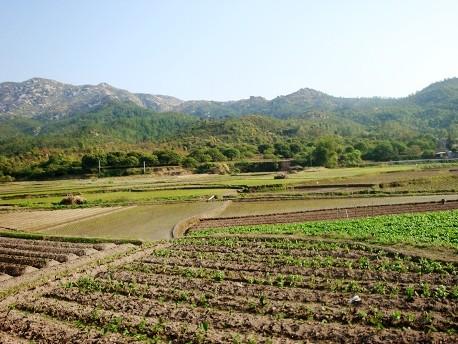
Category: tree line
<point>328,151</point>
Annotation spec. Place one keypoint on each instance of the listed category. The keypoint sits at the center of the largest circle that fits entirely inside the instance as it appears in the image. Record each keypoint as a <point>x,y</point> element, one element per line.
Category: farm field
<point>310,282</point>
<point>121,197</point>
<point>322,214</point>
<point>283,206</point>
<point>22,258</point>
<point>144,189</point>
<point>40,219</point>
<point>152,222</point>
<point>438,229</point>
<point>148,222</point>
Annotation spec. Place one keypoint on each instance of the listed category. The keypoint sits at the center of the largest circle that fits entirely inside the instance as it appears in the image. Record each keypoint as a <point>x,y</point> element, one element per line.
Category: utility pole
<point>100,168</point>
<point>144,167</point>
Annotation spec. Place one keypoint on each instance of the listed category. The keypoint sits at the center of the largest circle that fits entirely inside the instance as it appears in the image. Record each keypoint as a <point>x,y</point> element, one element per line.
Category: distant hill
<point>41,113</point>
<point>43,97</point>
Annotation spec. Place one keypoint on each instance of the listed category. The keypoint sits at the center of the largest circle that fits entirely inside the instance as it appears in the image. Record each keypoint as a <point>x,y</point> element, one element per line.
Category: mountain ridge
<point>39,96</point>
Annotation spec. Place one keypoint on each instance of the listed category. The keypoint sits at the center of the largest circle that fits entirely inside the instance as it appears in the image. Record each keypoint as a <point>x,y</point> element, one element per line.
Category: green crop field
<point>428,229</point>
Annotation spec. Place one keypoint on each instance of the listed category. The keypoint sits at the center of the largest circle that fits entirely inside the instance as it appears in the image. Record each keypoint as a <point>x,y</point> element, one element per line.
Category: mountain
<point>43,97</point>
<point>39,96</point>
<point>52,99</point>
<point>46,114</point>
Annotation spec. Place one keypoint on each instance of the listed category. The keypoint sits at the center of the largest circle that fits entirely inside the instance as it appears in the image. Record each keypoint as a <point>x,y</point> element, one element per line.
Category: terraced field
<point>251,289</point>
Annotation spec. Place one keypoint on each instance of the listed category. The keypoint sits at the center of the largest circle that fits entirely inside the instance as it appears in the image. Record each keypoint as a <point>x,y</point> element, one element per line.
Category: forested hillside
<point>292,126</point>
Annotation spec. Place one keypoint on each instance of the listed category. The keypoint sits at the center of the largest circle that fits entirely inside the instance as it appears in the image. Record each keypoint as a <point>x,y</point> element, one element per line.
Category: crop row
<point>328,271</point>
<point>19,256</point>
<point>61,258</point>
<point>199,324</point>
<point>35,262</point>
<point>41,329</point>
<point>15,269</point>
<point>58,244</point>
<point>325,282</point>
<point>278,242</point>
<point>363,262</point>
<point>271,251</point>
<point>23,245</point>
<point>188,307</point>
<point>303,246</point>
<point>138,283</point>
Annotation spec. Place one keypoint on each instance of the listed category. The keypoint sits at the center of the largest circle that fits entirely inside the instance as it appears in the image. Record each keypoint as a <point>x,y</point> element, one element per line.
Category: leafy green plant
<point>425,290</point>
<point>379,288</point>
<point>410,293</point>
<point>218,275</point>
<point>441,292</point>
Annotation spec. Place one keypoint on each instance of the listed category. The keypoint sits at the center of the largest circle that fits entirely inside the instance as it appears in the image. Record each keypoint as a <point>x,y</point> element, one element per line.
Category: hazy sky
<point>232,49</point>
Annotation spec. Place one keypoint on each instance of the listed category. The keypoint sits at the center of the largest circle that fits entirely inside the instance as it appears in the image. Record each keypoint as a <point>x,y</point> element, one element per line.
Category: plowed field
<point>22,256</point>
<point>251,289</point>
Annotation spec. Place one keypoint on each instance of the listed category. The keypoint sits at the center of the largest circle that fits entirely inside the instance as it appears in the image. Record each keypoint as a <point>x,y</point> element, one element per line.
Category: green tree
<point>231,153</point>
<point>283,150</point>
<point>326,152</point>
<point>168,157</point>
<point>383,151</point>
<point>350,157</point>
<point>190,162</point>
<point>216,154</point>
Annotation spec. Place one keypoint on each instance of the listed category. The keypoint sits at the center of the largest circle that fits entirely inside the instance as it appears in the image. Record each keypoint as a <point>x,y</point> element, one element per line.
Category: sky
<point>232,49</point>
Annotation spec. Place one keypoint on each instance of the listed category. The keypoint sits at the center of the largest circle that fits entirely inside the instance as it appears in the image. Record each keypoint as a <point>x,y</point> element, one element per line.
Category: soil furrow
<point>150,282</point>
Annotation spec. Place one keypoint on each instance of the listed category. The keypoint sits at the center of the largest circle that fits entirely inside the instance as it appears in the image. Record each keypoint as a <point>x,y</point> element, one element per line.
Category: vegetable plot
<point>238,288</point>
